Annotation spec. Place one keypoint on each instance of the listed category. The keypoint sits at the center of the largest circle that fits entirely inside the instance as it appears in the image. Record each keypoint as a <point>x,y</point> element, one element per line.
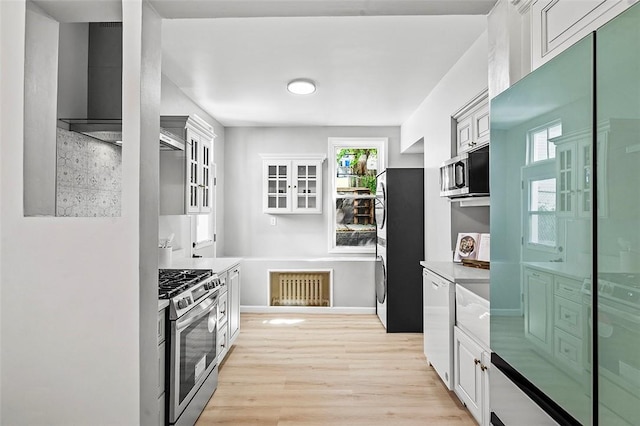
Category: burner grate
<point>172,282</point>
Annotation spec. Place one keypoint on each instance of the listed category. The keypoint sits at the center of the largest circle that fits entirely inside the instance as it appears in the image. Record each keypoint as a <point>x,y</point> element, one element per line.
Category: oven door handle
<point>204,308</point>
<point>635,319</point>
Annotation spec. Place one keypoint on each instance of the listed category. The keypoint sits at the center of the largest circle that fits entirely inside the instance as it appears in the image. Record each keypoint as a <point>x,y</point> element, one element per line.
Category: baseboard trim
<point>307,310</point>
<point>506,312</point>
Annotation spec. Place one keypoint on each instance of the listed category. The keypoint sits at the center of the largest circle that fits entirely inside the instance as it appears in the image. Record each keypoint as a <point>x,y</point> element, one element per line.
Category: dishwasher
<point>439,319</point>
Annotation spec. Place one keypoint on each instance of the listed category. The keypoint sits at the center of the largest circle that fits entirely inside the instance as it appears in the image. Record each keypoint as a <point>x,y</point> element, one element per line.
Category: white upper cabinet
<point>186,177</point>
<point>292,184</point>
<point>557,24</point>
<point>472,124</point>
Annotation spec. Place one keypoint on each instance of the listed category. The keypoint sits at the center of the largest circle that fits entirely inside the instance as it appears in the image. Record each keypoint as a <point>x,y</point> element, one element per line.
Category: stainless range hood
<point>104,90</point>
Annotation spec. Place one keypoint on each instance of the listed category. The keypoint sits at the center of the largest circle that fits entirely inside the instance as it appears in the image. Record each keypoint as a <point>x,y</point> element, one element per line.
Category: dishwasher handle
<point>436,281</point>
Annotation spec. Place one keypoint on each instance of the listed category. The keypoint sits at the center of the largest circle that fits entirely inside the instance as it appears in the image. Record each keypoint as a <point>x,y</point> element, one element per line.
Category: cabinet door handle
<point>483,367</point>
<point>476,361</point>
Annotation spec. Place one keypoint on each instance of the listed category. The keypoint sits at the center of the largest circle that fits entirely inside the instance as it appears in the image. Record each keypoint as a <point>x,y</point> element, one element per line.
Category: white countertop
<point>568,270</point>
<point>217,265</point>
<point>457,273</point>
<point>162,304</point>
<point>582,271</point>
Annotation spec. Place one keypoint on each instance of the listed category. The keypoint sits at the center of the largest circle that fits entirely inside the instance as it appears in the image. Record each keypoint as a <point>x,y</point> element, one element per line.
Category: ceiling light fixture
<point>301,86</point>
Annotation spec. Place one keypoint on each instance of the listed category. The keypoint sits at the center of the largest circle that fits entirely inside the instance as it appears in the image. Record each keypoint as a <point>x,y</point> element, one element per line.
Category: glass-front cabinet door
<point>541,132</point>
<point>292,185</point>
<point>306,186</point>
<point>278,185</point>
<point>618,221</point>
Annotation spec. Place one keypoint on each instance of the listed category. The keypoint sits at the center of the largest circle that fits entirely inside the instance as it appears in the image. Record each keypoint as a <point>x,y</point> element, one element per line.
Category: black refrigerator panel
<point>405,249</point>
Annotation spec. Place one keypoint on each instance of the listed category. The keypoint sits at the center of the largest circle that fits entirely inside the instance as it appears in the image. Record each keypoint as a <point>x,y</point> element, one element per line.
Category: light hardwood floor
<point>289,369</point>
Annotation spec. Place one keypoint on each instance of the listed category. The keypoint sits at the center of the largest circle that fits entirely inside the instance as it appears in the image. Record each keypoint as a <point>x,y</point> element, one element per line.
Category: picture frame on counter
<point>472,246</point>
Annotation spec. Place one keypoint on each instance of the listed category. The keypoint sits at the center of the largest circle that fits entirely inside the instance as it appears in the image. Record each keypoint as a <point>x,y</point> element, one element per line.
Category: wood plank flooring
<point>315,369</point>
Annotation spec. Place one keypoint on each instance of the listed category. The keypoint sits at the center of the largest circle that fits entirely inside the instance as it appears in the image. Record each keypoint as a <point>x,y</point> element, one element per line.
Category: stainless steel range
<point>192,370</point>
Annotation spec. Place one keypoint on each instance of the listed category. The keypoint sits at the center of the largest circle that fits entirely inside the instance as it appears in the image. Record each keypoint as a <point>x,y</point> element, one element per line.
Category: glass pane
<point>282,170</point>
<point>311,202</point>
<point>272,186</point>
<point>203,223</point>
<point>302,187</point>
<point>618,200</point>
<point>302,171</point>
<point>540,146</point>
<point>271,202</point>
<point>312,187</point>
<point>526,331</point>
<point>543,229</point>
<point>555,131</point>
<point>543,195</point>
<point>349,232</point>
<point>312,171</point>
<point>302,202</point>
<point>282,187</point>
<point>282,202</point>
<point>272,170</point>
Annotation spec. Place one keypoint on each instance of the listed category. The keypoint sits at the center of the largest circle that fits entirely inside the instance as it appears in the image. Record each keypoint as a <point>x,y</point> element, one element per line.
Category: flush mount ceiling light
<point>301,86</point>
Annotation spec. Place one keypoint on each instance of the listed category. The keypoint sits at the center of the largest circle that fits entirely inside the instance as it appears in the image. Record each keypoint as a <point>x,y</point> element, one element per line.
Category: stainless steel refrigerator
<point>565,236</point>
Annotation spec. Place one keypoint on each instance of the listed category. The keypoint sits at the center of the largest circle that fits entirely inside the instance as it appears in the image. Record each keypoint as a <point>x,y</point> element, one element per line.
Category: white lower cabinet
<point>228,311</point>
<point>471,375</point>
<point>162,317</point>
<point>234,303</point>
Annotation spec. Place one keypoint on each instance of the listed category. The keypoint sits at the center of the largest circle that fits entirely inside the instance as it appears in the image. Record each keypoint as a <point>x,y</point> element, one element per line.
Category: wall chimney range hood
<point>104,90</point>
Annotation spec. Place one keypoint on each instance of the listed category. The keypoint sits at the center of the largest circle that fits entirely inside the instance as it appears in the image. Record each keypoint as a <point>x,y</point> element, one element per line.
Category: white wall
<point>147,57</point>
<point>353,281</point>
<point>70,290</point>
<point>432,121</point>
<point>248,232</point>
<point>73,75</point>
<point>41,92</point>
<point>297,241</point>
<point>175,102</point>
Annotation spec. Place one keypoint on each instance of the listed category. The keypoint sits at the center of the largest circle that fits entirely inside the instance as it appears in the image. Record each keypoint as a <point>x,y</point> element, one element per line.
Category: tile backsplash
<point>88,176</point>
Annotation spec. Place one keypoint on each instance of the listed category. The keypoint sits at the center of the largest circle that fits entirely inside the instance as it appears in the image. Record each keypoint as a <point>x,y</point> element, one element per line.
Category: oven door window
<point>197,352</point>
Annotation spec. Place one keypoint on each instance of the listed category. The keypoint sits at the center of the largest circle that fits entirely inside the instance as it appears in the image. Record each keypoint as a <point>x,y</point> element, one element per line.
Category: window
<point>203,225</point>
<point>204,235</point>
<point>539,188</point>
<point>540,146</point>
<point>542,212</point>
<point>353,166</point>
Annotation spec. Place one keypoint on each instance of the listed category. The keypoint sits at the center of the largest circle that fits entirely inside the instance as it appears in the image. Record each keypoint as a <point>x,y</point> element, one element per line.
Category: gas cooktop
<point>174,281</point>
<point>622,278</point>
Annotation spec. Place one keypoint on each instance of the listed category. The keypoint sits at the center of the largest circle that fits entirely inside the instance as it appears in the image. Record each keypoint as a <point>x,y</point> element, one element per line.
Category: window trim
<point>537,129</point>
<point>540,170</point>
<point>334,143</point>
<point>211,215</point>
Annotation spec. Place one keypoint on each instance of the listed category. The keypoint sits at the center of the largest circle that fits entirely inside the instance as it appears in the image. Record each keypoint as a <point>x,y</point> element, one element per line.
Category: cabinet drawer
<point>222,340</point>
<point>568,349</point>
<point>568,288</point>
<point>161,361</point>
<point>162,318</point>
<point>568,316</point>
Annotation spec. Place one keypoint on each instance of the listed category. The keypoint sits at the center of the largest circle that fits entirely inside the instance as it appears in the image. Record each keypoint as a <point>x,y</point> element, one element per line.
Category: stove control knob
<point>184,302</point>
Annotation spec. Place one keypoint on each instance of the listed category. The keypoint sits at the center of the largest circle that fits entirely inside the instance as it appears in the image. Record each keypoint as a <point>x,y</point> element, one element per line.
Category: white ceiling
<point>374,61</point>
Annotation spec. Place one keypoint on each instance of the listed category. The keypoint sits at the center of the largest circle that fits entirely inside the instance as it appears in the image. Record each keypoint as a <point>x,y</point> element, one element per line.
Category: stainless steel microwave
<point>466,175</point>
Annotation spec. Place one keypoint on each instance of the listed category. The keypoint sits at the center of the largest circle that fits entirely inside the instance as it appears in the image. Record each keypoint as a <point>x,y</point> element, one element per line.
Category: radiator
<point>301,289</point>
